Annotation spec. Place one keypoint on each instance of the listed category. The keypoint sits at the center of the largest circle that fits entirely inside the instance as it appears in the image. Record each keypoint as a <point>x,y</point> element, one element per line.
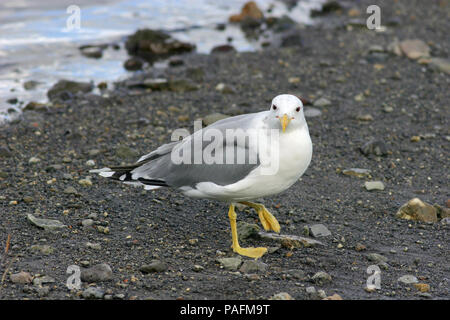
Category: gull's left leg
<point>267,219</point>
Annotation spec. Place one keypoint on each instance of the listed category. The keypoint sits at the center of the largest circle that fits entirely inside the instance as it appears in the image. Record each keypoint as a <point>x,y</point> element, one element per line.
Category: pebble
<point>34,160</point>
<point>154,266</point>
<point>311,291</point>
<point>364,117</point>
<point>311,112</point>
<point>44,249</point>
<point>93,293</point>
<point>94,246</point>
<point>197,268</point>
<point>282,296</point>
<point>97,273</point>
<point>87,222</point>
<point>70,190</point>
<point>408,279</point>
<point>90,163</point>
<point>374,185</point>
<point>415,139</point>
<point>253,266</point>
<point>28,199</point>
<point>377,258</point>
<point>333,297</point>
<point>47,224</point>
<point>417,210</point>
<point>321,278</point>
<point>322,102</point>
<point>231,264</point>
<point>376,147</point>
<point>356,172</point>
<point>21,277</point>
<point>319,230</point>
<point>224,88</point>
<point>415,49</point>
<point>85,182</point>
<point>42,280</point>
<point>422,287</point>
<point>440,64</point>
<point>247,230</point>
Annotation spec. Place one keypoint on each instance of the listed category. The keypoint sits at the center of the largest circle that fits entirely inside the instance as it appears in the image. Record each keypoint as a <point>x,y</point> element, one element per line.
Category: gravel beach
<point>378,116</point>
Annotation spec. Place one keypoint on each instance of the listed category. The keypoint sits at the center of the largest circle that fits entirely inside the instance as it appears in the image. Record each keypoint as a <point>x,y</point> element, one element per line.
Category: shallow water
<point>36,44</point>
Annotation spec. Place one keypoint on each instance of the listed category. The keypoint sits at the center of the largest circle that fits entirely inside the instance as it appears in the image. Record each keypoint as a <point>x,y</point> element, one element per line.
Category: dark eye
<point>298,109</point>
<point>274,107</point>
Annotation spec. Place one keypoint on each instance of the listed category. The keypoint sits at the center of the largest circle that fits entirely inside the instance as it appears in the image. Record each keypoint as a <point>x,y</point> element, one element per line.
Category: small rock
<point>34,160</point>
<point>322,102</point>
<point>231,264</point>
<point>376,147</point>
<point>282,296</point>
<point>364,117</point>
<point>408,279</point>
<point>327,8</point>
<point>333,297</point>
<point>417,210</point>
<point>356,172</point>
<point>319,230</point>
<point>415,139</point>
<point>35,106</point>
<point>197,268</point>
<point>125,152</point>
<point>321,278</point>
<point>133,64</point>
<point>21,277</point>
<point>42,280</point>
<point>31,84</point>
<point>90,163</point>
<point>360,247</point>
<point>87,222</point>
<point>253,266</point>
<point>95,246</point>
<point>62,87</point>
<point>94,152</point>
<point>211,118</point>
<point>47,224</point>
<point>247,230</point>
<point>85,182</point>
<point>440,64</point>
<point>225,48</point>
<point>5,152</point>
<point>154,266</point>
<point>377,258</point>
<point>415,49</point>
<point>422,287</point>
<point>97,273</point>
<point>43,249</point>
<point>312,112</point>
<point>70,190</point>
<point>28,199</point>
<point>93,293</point>
<point>374,185</point>
<point>311,291</point>
<point>224,88</point>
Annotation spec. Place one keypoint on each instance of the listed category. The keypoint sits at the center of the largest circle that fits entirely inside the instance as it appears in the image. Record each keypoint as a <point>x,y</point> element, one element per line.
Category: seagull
<point>234,160</point>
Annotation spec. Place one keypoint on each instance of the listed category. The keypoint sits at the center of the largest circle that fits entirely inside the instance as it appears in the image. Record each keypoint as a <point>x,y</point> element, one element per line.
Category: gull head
<point>286,110</point>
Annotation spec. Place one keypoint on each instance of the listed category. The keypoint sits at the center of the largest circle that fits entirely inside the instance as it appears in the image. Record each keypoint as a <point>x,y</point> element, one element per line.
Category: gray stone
<point>125,152</point>
<point>311,112</point>
<point>319,230</point>
<point>377,258</point>
<point>322,102</point>
<point>87,222</point>
<point>66,88</point>
<point>93,293</point>
<point>42,280</point>
<point>415,49</point>
<point>440,64</point>
<point>21,277</point>
<point>70,190</point>
<point>154,266</point>
<point>376,147</point>
<point>231,264</point>
<point>253,266</point>
<point>408,279</point>
<point>94,246</point>
<point>247,230</point>
<point>356,172</point>
<point>44,249</point>
<point>374,185</point>
<point>47,224</point>
<point>282,296</point>
<point>321,278</point>
<point>97,273</point>
<point>34,160</point>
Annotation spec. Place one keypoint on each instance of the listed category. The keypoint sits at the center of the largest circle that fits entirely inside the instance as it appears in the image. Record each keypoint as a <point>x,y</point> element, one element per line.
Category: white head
<point>285,110</point>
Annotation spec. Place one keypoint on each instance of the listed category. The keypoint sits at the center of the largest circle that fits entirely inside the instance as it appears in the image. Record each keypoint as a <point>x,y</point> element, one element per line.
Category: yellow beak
<point>285,121</point>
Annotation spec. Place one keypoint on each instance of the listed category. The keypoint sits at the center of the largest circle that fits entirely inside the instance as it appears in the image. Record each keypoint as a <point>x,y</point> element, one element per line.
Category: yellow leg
<point>248,252</point>
<point>268,221</point>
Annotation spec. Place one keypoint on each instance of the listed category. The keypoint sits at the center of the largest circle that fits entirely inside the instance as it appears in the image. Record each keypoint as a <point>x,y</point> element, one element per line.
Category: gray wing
<point>203,156</point>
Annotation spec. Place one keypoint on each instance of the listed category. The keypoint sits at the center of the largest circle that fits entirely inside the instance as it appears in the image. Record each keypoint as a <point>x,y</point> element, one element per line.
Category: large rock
<point>153,45</point>
<point>417,210</point>
<point>97,273</point>
<point>47,224</point>
<point>249,11</point>
<point>64,89</point>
